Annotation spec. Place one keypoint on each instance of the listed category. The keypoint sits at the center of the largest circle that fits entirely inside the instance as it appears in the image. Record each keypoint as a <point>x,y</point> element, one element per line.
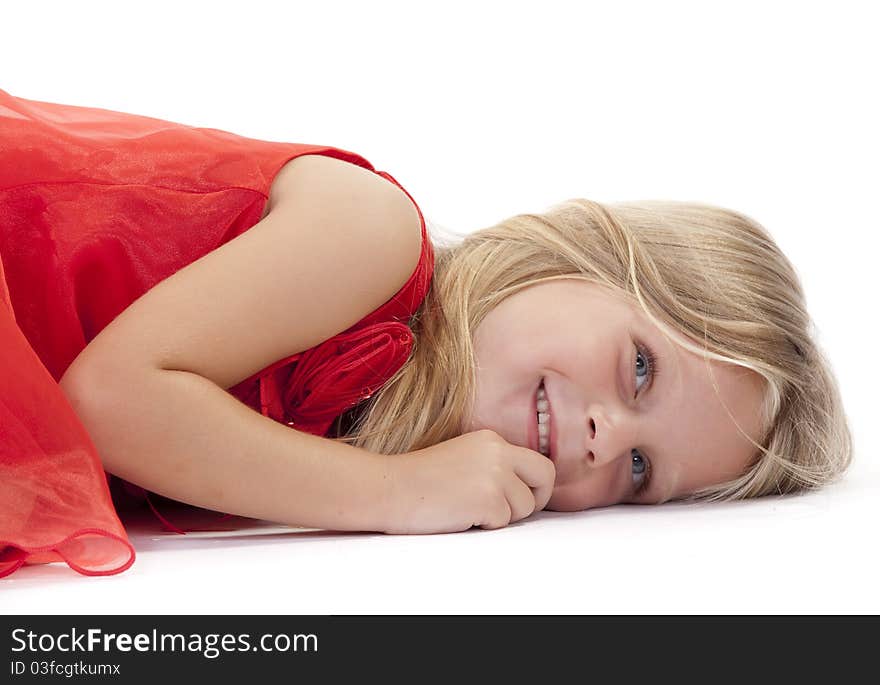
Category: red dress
<point>96,207</point>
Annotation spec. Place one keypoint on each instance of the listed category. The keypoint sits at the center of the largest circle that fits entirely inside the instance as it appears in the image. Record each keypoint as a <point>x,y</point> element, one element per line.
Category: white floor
<point>783,132</point>
<point>813,553</point>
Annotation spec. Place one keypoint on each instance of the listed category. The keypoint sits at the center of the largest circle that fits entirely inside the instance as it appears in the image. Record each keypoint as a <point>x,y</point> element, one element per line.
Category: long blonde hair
<point>710,278</point>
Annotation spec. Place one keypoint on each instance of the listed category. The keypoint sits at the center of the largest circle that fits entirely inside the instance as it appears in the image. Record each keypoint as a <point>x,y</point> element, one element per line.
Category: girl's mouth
<point>542,414</point>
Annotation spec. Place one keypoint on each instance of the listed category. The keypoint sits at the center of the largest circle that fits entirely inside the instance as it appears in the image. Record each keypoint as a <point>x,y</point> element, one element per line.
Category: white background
<point>486,109</point>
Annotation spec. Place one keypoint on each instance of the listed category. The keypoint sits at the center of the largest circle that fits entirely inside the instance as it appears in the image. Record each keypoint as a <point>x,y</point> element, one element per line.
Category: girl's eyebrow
<point>647,497</point>
<point>668,490</point>
<point>672,482</point>
<point>661,349</point>
<point>672,376</point>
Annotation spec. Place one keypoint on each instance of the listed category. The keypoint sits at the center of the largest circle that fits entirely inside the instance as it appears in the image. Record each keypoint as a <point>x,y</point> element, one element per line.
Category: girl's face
<point>616,424</point>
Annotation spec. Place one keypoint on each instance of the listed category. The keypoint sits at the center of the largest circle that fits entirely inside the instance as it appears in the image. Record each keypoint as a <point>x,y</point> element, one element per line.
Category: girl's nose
<point>607,439</point>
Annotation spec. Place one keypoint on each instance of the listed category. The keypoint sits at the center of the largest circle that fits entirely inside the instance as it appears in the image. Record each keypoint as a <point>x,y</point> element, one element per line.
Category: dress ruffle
<point>96,208</point>
<point>55,504</point>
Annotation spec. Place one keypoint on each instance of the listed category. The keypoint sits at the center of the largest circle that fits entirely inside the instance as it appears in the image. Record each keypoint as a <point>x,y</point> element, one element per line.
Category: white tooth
<point>543,422</point>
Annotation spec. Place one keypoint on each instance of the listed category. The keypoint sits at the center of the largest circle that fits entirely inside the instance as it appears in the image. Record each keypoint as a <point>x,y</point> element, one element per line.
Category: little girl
<point>271,330</point>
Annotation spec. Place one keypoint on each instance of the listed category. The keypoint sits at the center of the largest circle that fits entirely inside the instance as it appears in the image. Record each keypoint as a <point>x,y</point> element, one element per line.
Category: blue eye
<point>641,369</point>
<point>647,369</point>
<point>640,467</point>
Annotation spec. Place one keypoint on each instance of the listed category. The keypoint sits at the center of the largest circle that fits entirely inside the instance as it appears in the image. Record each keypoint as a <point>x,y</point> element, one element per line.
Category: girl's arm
<point>180,435</point>
<point>338,242</point>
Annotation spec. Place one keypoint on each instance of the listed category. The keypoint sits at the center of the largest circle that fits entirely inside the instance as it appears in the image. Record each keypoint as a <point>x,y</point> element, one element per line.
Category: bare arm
<point>338,242</point>
<point>182,436</point>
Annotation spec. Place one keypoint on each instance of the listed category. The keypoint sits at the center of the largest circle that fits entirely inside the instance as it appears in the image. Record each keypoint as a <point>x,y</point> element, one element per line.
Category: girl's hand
<point>475,479</point>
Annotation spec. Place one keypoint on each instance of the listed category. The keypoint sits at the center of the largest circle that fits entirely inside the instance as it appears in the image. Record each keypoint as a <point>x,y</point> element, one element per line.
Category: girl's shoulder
<point>338,241</point>
<point>327,170</point>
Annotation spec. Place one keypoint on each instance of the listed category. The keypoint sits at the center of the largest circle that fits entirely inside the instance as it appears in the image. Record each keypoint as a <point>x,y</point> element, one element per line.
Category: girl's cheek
<point>568,498</point>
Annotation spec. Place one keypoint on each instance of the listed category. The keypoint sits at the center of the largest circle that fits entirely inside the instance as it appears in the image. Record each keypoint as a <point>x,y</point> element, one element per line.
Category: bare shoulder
<point>323,169</point>
<point>367,213</point>
<point>339,241</point>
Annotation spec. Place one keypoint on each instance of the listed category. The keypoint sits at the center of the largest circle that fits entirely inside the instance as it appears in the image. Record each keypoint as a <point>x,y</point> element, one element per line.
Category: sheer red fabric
<point>96,207</point>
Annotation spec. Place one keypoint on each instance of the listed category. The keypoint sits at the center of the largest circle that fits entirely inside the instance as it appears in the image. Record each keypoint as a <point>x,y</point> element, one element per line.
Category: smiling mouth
<point>543,412</point>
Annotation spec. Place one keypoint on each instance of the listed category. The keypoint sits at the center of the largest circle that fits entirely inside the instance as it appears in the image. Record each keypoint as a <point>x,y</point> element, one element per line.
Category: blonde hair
<point>711,279</point>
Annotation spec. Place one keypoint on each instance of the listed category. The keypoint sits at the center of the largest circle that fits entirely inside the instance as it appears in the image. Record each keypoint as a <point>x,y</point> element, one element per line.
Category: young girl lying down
<point>272,330</point>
